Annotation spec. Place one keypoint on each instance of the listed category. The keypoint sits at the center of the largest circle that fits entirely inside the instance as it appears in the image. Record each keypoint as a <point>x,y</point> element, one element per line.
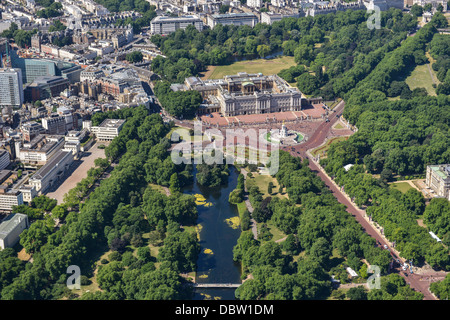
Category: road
<point>315,141</point>
<point>319,136</point>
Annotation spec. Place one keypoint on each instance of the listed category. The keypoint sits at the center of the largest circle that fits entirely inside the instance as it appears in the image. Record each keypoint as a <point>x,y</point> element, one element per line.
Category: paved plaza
<point>313,112</point>
<point>79,171</point>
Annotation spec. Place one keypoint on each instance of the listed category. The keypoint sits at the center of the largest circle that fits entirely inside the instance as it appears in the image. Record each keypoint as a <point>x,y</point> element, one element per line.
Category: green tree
<point>174,183</point>
<point>416,10</point>
<point>357,293</point>
<point>134,57</point>
<point>236,196</point>
<point>263,50</point>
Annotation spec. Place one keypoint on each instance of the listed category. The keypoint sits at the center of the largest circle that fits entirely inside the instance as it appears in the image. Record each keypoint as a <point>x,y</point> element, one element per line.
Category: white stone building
<point>10,229</point>
<point>438,180</point>
<point>108,129</point>
<point>166,25</point>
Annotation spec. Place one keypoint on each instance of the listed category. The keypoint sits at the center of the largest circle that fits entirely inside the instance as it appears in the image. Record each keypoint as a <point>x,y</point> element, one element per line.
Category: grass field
<point>332,104</point>
<point>265,66</point>
<point>277,234</point>
<point>423,76</point>
<point>241,208</point>
<point>402,186</point>
<point>262,181</point>
<point>326,146</point>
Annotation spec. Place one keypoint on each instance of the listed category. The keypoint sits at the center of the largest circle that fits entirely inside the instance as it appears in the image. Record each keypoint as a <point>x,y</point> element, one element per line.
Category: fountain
<point>284,136</point>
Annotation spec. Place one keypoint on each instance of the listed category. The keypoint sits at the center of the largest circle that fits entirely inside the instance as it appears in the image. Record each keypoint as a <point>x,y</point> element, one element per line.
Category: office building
<point>91,74</point>
<point>45,87</point>
<point>254,3</point>
<point>39,150</point>
<point>271,17</point>
<point>9,198</point>
<point>236,19</point>
<point>28,193</point>
<point>112,86</point>
<point>166,25</point>
<point>383,5</point>
<point>11,89</point>
<point>4,159</point>
<point>108,129</point>
<point>10,229</point>
<point>36,68</point>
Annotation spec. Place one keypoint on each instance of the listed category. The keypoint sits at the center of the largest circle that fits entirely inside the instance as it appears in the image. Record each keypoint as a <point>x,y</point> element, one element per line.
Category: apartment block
<point>54,124</point>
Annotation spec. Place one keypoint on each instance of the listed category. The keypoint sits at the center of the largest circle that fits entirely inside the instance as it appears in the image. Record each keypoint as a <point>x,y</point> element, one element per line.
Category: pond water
<point>217,238</point>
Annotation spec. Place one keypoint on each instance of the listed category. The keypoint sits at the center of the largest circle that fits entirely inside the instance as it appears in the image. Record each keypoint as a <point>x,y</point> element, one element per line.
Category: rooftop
<point>112,123</point>
<point>442,171</point>
<point>50,165</point>
<point>168,19</point>
<point>10,222</point>
<point>234,15</point>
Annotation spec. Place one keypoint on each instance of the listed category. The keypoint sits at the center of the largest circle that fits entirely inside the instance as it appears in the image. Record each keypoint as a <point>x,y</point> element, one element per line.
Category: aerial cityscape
<point>235,150</point>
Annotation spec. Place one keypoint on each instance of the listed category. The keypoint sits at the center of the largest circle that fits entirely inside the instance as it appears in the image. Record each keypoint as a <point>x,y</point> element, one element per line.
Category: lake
<point>217,238</point>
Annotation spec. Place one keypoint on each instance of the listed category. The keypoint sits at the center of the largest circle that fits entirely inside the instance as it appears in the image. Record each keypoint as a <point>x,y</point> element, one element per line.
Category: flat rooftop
<point>442,171</point>
<point>42,143</point>
<point>9,223</point>
<point>170,19</point>
<point>112,123</point>
<point>50,165</point>
<point>234,15</point>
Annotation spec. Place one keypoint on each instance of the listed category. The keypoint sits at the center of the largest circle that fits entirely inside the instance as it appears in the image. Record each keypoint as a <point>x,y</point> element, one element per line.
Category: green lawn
<point>421,78</point>
<point>241,208</point>
<point>326,146</point>
<point>339,126</point>
<point>277,234</point>
<point>402,186</point>
<point>265,66</point>
<point>262,181</point>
